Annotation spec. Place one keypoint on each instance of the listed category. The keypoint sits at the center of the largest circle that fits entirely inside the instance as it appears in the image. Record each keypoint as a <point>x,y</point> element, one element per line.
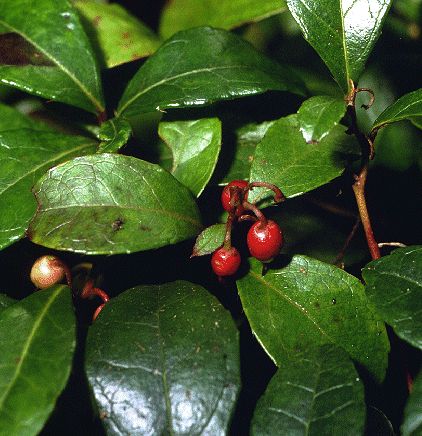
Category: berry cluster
<point>264,238</point>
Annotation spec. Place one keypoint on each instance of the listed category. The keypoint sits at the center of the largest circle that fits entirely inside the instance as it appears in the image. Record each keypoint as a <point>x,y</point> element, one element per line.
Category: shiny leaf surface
<point>169,364</point>
<point>394,285</point>
<point>11,119</point>
<point>200,66</point>
<point>114,134</point>
<point>412,423</point>
<point>108,204</point>
<point>37,340</point>
<point>309,303</point>
<point>209,240</point>
<point>5,302</point>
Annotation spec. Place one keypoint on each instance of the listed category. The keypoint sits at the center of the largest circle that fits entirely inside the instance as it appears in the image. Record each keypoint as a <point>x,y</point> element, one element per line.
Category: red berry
<point>225,262</point>
<point>265,241</point>
<point>225,195</point>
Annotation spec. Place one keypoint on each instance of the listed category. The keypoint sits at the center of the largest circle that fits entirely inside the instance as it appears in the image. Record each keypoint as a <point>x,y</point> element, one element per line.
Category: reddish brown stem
<point>228,235</point>
<point>101,117</point>
<point>249,206</point>
<point>247,218</point>
<point>278,195</point>
<point>342,252</point>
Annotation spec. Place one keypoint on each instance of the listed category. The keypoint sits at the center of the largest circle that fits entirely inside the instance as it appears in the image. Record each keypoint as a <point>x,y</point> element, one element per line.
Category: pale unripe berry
<point>47,271</point>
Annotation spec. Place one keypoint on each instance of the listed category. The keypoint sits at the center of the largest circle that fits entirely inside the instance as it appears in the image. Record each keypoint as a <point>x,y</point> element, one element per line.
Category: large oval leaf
<point>37,340</point>
<point>412,423</point>
<point>310,303</point>
<point>108,204</point>
<point>394,285</point>
<point>320,394</point>
<point>342,32</point>
<point>200,66</point>
<point>45,52</point>
<point>11,119</point>
<point>5,301</point>
<point>24,156</point>
<point>164,360</point>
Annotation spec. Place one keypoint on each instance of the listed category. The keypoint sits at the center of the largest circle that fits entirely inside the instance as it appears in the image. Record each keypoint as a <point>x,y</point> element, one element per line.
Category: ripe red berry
<point>225,195</point>
<point>265,241</point>
<point>225,262</point>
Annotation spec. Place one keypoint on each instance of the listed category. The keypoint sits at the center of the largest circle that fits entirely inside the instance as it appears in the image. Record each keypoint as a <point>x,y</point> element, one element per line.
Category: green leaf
<point>169,364</point>
<point>406,107</point>
<point>24,156</point>
<point>11,119</point>
<point>200,66</point>
<point>394,285</point>
<point>412,423</point>
<point>224,14</point>
<point>319,115</point>
<point>5,302</point>
<point>320,394</point>
<point>109,204</point>
<point>285,159</point>
<point>120,37</point>
<point>114,134</point>
<point>45,52</point>
<point>343,33</point>
<point>37,340</point>
<point>195,146</point>
<point>310,303</point>
<point>209,240</point>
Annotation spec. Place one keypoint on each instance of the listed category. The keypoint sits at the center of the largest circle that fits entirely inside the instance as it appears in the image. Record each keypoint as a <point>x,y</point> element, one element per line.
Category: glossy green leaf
<point>11,119</point>
<point>417,122</point>
<point>25,155</point>
<point>45,52</point>
<point>343,33</point>
<point>170,364</point>
<point>319,115</point>
<point>224,14</point>
<point>309,303</point>
<point>394,285</point>
<point>412,423</point>
<point>209,240</point>
<point>37,340</point>
<point>5,302</point>
<point>320,394</point>
<point>119,36</point>
<point>284,158</point>
<point>109,204</point>
<point>194,146</point>
<point>114,134</point>
<point>200,66</point>
<point>406,107</point>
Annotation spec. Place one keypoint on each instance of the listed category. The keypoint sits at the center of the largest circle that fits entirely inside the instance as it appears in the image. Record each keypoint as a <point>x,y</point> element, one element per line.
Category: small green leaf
<point>37,341</point>
<point>195,146</point>
<point>285,159</point>
<point>406,107</point>
<point>320,394</point>
<point>120,36</point>
<point>5,302</point>
<point>412,423</point>
<point>319,115</point>
<point>109,204</point>
<point>12,119</point>
<point>169,364</point>
<point>24,156</point>
<point>343,33</point>
<point>224,14</point>
<point>209,240</point>
<point>394,285</point>
<point>310,303</point>
<point>45,52</point>
<point>114,134</point>
<point>199,66</point>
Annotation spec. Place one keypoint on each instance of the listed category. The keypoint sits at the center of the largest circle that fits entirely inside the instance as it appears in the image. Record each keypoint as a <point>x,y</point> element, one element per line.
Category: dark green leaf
<point>200,66</point>
<point>114,134</point>
<point>343,33</point>
<point>120,37</point>
<point>11,119</point>
<point>24,156</point>
<point>394,285</point>
<point>310,303</point>
<point>108,204</point>
<point>319,115</point>
<point>195,146</point>
<point>224,14</point>
<point>209,240</point>
<point>37,340</point>
<point>320,394</point>
<point>169,364</point>
<point>5,302</point>
<point>417,122</point>
<point>412,423</point>
<point>44,51</point>
<point>284,158</point>
<point>406,107</point>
